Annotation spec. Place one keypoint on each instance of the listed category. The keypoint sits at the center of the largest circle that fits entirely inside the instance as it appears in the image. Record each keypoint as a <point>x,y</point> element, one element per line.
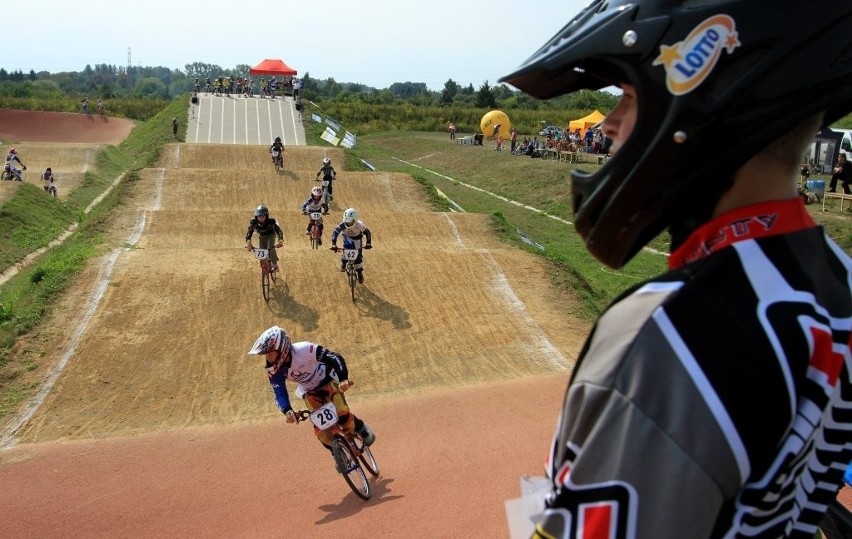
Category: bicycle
<point>278,161</point>
<point>326,196</point>
<point>351,455</point>
<point>350,255</point>
<point>267,274</point>
<point>316,238</point>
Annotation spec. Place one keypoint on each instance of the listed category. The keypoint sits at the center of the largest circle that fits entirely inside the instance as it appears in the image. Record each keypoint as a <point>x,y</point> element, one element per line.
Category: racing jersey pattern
<point>311,366</point>
<point>353,233</point>
<point>312,205</point>
<point>269,226</point>
<point>714,400</point>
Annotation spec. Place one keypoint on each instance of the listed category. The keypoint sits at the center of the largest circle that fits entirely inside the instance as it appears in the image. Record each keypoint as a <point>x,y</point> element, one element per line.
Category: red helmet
<point>13,150</point>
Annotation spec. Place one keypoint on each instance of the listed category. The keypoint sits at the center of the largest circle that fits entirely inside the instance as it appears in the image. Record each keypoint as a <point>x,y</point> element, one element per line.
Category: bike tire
<point>352,471</point>
<point>265,279</point>
<point>367,458</point>
<point>353,280</point>
<point>315,237</point>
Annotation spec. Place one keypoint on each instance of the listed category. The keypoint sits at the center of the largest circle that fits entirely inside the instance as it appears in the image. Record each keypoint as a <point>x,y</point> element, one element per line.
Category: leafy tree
<point>485,97</point>
<point>150,87</point>
<point>448,93</point>
<point>408,89</point>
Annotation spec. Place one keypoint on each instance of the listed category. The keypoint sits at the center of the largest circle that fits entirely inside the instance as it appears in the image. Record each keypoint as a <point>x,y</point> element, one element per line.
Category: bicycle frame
<point>267,276</point>
<point>351,255</point>
<point>316,219</point>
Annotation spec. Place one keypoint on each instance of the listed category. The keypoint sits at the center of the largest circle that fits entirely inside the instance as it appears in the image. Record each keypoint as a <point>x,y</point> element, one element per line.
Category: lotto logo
<point>689,62</point>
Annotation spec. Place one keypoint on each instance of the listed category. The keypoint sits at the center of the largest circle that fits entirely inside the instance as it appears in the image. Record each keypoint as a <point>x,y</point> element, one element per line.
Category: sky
<point>373,42</point>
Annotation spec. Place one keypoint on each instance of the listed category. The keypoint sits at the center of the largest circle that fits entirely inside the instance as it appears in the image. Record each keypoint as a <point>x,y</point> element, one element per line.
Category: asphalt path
<point>244,120</point>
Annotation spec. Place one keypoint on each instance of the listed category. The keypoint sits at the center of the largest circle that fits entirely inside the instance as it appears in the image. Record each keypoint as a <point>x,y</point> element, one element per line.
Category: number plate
<point>261,254</point>
<point>316,216</point>
<point>325,416</point>
<point>350,254</point>
<point>326,183</point>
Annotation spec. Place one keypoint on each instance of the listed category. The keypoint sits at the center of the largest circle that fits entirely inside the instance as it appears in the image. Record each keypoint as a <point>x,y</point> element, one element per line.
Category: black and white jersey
<point>715,400</point>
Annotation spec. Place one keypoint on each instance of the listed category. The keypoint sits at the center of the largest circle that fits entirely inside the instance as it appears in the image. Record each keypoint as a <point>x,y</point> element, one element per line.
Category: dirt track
<point>457,342</point>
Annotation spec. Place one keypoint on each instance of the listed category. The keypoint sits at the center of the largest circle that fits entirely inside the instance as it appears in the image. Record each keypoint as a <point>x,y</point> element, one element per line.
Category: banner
<point>331,123</point>
<point>316,118</point>
<point>329,136</point>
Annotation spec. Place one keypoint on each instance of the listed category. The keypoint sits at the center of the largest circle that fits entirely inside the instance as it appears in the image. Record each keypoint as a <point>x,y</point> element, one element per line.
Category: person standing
<point>452,129</point>
<point>711,401</point>
<point>175,126</point>
<point>843,172</point>
<point>513,138</point>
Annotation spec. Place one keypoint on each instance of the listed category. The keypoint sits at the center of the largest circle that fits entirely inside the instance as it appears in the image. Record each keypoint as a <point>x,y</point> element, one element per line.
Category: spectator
<point>713,400</point>
<point>452,129</point>
<point>513,138</point>
<point>843,172</point>
<point>174,127</point>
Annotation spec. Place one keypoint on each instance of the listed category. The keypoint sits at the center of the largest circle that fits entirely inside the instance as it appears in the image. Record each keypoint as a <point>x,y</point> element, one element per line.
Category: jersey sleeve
<point>279,388</point>
<point>334,362</point>
<point>638,451</point>
<point>250,230</point>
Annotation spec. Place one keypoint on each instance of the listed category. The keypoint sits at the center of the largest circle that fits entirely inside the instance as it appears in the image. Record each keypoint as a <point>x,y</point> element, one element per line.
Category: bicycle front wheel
<point>349,467</point>
<point>353,280</point>
<point>265,279</point>
<point>367,458</point>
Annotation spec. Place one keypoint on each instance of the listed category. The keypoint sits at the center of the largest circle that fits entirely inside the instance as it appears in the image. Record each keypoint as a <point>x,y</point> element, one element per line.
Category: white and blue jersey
<point>311,366</point>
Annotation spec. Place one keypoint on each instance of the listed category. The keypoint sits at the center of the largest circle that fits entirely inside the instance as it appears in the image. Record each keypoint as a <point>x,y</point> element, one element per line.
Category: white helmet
<point>316,191</point>
<point>326,161</point>
<point>274,339</point>
<point>349,217</point>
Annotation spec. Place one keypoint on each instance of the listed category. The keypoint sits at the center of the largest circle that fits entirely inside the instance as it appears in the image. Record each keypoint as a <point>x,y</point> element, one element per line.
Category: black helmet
<point>278,139</point>
<point>716,82</point>
<point>261,210</point>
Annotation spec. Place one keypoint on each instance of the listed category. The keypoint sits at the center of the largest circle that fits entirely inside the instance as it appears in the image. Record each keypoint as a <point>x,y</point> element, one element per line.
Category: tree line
<point>106,81</point>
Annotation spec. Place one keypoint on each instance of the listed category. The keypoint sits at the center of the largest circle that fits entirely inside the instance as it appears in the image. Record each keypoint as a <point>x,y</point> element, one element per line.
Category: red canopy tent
<point>272,66</point>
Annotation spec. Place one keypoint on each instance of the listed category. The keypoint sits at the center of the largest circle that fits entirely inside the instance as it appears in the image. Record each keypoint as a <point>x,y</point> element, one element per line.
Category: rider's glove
<point>368,246</point>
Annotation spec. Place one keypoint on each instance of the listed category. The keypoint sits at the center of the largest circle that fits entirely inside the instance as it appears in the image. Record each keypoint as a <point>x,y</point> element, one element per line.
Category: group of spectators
<point>594,142</point>
<point>244,86</point>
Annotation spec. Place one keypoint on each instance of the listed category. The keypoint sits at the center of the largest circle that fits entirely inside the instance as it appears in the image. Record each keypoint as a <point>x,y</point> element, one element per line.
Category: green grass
<point>31,220</point>
<point>541,184</point>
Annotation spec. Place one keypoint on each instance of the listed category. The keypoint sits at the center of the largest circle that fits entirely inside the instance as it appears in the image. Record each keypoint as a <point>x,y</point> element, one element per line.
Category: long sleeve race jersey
<point>312,205</point>
<point>354,233</point>
<point>311,366</point>
<point>269,226</point>
<point>714,400</point>
<point>327,172</point>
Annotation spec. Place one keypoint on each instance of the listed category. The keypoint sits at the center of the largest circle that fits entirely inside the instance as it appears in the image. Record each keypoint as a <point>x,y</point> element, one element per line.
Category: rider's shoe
<point>360,276</point>
<point>342,267</point>
<point>319,241</point>
<point>366,434</point>
<point>274,266</point>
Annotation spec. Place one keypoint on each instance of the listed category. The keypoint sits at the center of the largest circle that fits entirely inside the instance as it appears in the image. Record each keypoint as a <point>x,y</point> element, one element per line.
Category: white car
<point>549,130</point>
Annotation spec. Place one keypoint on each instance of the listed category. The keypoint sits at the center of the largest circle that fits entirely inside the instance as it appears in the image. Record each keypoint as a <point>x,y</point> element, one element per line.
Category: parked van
<point>846,142</point>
